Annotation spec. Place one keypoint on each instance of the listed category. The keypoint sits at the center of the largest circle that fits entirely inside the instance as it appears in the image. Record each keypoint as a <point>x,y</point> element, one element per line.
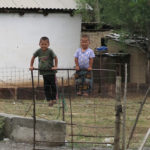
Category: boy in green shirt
<point>47,68</point>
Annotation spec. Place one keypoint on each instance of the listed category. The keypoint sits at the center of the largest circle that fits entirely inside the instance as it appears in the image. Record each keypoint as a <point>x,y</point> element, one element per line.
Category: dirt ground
<point>9,145</point>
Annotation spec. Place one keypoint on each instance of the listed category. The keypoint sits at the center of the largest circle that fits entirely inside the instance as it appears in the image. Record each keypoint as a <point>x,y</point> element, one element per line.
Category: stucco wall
<point>19,37</point>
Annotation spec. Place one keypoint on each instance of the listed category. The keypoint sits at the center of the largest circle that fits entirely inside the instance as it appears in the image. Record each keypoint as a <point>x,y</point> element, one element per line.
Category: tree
<point>89,10</point>
<point>133,16</point>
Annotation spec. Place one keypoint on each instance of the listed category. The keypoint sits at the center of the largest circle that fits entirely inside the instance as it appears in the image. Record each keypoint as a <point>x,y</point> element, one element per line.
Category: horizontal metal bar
<point>88,126</point>
<point>61,69</point>
<point>91,136</point>
<point>76,142</point>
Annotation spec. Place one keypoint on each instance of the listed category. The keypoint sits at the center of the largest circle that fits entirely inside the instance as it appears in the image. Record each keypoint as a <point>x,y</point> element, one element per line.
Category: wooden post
<point>124,111</point>
<point>118,109</point>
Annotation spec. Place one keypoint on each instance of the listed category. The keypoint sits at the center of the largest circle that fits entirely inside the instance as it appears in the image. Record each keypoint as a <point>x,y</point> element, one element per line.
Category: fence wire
<point>89,120</point>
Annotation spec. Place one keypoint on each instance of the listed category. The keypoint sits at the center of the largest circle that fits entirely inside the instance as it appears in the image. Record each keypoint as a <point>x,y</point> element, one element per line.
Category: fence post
<point>124,110</point>
<point>118,109</point>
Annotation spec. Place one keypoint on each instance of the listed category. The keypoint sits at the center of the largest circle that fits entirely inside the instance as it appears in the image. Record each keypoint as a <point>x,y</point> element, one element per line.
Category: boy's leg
<point>47,87</point>
<point>53,87</point>
<point>78,84</point>
<point>88,83</point>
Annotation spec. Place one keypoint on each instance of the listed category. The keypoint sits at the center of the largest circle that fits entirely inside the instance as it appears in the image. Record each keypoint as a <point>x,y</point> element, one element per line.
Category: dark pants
<point>50,87</point>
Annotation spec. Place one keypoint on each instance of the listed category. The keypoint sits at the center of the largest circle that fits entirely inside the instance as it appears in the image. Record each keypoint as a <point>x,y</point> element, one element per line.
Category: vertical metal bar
<point>34,112</point>
<point>120,69</point>
<point>63,106</point>
<point>95,116</point>
<point>38,78</point>
<point>15,93</point>
<point>100,62</point>
<point>23,77</point>
<point>38,75</point>
<point>124,111</point>
<point>70,109</point>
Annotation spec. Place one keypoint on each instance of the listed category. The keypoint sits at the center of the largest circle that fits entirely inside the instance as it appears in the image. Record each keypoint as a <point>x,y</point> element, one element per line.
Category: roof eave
<point>36,10</point>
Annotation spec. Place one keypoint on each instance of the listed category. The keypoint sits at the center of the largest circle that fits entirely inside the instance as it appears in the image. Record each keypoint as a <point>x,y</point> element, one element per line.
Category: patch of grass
<point>94,116</point>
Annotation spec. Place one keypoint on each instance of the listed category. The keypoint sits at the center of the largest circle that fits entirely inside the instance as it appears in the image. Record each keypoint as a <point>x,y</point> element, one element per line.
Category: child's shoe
<point>86,94</point>
<point>79,93</point>
<point>55,101</point>
<point>50,104</point>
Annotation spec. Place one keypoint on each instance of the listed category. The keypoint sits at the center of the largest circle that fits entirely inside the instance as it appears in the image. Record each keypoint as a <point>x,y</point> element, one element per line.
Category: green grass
<point>88,114</point>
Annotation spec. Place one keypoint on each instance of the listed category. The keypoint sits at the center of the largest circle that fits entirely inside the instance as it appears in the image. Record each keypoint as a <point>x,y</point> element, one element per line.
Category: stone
<point>48,132</point>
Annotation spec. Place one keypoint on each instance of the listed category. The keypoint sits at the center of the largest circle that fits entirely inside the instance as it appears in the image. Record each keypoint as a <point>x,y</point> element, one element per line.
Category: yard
<point>93,119</point>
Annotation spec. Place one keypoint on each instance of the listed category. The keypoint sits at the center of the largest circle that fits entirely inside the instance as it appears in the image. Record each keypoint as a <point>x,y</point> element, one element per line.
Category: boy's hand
<point>31,68</point>
<point>77,68</point>
<point>90,68</point>
<point>54,68</point>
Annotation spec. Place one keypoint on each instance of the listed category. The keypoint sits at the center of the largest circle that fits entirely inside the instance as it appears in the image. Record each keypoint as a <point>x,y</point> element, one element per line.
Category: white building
<point>23,22</point>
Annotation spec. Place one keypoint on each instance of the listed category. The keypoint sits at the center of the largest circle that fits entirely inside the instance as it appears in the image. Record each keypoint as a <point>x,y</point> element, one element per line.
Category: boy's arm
<point>77,64</point>
<point>31,63</point>
<point>90,64</point>
<point>56,63</point>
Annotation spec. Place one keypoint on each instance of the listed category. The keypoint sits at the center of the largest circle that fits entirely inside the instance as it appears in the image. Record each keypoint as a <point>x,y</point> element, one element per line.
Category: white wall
<point>19,37</point>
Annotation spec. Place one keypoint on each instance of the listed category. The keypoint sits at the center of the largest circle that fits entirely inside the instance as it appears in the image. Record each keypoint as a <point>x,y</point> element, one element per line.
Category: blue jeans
<point>85,78</point>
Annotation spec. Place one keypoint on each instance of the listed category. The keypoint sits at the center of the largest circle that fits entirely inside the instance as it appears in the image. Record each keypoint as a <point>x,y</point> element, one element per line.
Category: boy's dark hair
<point>44,38</point>
<point>85,36</point>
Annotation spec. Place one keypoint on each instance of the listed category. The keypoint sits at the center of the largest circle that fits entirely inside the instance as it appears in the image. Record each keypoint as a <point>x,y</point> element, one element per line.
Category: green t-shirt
<point>45,61</point>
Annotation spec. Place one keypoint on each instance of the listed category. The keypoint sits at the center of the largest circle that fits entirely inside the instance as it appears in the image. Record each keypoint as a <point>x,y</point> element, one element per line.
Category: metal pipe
<point>34,113</point>
<point>61,69</point>
<point>70,109</point>
<point>63,105</point>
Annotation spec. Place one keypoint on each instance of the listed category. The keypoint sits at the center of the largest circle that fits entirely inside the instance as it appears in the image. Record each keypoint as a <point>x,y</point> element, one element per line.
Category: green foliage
<point>2,128</point>
<point>132,15</point>
<point>88,10</point>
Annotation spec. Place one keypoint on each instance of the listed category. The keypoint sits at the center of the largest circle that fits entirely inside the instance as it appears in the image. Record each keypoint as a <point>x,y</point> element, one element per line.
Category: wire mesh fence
<point>90,121</point>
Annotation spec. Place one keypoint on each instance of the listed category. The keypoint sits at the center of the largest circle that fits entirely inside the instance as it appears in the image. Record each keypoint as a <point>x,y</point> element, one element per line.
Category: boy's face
<point>44,44</point>
<point>84,42</point>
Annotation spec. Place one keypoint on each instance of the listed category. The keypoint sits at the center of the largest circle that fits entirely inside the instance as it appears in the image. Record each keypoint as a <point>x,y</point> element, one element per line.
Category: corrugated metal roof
<point>39,4</point>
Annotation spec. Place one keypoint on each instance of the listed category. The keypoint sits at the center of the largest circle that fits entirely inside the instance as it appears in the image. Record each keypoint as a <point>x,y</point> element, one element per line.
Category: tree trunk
<point>148,72</point>
<point>148,62</point>
<point>97,12</point>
